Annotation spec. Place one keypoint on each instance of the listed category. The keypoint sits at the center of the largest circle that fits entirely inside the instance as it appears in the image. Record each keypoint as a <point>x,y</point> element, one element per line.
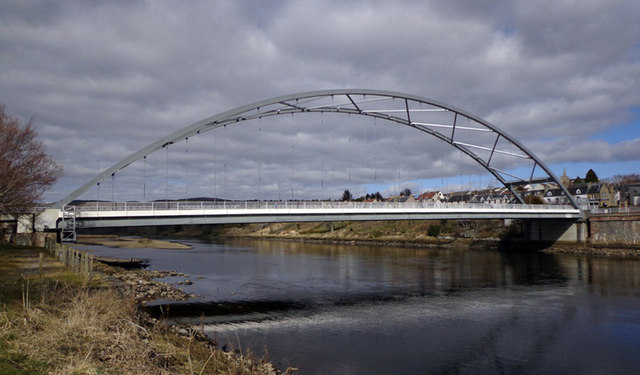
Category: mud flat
<point>130,242</point>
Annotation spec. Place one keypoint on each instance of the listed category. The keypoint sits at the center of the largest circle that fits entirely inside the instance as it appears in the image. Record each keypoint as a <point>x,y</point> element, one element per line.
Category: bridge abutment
<point>556,230</point>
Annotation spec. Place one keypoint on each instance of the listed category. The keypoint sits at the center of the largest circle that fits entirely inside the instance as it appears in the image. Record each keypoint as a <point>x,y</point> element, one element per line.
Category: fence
<point>76,260</point>
<point>269,205</point>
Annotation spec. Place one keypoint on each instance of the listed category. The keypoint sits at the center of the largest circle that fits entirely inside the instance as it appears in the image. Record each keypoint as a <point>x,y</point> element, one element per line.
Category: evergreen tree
<point>405,193</point>
<point>591,176</point>
<point>346,196</point>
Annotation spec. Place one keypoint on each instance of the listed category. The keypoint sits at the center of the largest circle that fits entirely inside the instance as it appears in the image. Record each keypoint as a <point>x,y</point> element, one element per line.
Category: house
<point>430,196</point>
<point>535,189</point>
<point>503,195</point>
<point>556,196</point>
<point>592,195</point>
<point>602,195</point>
<point>401,198</point>
<point>579,193</point>
<point>629,194</point>
<point>459,197</point>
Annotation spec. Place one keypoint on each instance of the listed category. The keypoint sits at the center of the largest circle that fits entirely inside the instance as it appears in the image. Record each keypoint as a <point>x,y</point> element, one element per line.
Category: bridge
<point>127,214</point>
<point>502,156</point>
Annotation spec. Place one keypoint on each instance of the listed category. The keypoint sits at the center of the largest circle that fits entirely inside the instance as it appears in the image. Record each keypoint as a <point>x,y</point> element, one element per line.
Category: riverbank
<point>418,233</point>
<point>411,233</point>
<point>54,322</point>
<point>474,235</point>
<point>130,242</point>
<point>595,250</point>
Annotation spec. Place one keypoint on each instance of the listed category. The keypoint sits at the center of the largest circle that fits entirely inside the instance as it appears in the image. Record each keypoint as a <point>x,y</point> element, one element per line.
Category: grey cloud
<point>102,80</point>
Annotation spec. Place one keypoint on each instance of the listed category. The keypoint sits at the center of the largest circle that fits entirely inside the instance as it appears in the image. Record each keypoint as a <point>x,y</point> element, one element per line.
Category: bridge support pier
<point>557,230</point>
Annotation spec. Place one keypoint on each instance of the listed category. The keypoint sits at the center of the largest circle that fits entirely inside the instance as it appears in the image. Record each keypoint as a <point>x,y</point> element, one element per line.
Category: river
<point>340,309</point>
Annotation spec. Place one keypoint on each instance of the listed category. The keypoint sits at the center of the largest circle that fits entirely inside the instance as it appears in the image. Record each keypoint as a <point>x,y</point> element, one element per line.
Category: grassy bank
<point>416,233</point>
<point>434,232</point>
<point>54,322</point>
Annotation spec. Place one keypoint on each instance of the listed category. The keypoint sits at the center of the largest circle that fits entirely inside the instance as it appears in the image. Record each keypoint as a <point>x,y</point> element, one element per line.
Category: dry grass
<point>411,231</point>
<point>49,326</point>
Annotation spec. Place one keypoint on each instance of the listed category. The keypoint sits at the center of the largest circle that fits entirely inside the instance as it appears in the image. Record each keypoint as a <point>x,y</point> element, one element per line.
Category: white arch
<point>355,101</point>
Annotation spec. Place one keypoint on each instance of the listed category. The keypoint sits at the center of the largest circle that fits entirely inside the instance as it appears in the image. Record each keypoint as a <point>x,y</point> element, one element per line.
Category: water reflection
<point>604,276</point>
<point>345,309</point>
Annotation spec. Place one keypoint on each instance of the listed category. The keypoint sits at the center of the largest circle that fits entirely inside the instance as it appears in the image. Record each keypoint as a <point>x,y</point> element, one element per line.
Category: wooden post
<point>90,261</point>
<point>76,260</point>
<point>40,262</point>
<point>74,254</point>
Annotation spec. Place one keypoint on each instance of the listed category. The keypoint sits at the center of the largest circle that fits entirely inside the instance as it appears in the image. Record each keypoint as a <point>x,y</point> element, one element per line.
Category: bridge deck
<point>112,214</point>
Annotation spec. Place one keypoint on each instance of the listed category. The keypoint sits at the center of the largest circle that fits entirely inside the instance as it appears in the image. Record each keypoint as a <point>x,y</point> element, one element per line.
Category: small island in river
<point>130,242</point>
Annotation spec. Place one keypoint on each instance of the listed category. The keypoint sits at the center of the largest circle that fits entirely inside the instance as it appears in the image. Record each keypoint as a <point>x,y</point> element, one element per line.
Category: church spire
<point>564,180</point>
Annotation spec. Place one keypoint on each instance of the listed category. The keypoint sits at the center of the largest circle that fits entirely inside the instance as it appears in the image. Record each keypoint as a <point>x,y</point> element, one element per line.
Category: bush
<point>533,199</point>
<point>434,230</point>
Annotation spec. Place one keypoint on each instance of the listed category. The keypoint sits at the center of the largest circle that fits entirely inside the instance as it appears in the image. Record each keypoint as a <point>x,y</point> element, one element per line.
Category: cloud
<point>103,79</point>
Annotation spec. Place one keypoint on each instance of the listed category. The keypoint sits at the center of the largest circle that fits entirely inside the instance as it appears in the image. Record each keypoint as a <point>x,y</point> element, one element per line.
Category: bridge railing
<point>288,205</point>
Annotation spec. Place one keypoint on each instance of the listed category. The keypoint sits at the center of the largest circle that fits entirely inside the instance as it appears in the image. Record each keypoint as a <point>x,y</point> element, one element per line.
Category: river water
<point>336,309</point>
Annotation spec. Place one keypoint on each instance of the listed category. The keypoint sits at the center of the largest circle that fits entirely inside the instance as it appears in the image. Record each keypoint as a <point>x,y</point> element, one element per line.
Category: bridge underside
<point>106,222</point>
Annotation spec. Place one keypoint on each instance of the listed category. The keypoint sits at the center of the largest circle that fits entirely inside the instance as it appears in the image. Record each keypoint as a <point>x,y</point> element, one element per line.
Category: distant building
<point>564,179</point>
<point>629,194</point>
<point>593,195</point>
<point>401,198</point>
<point>430,196</point>
<point>459,197</point>
<point>601,195</point>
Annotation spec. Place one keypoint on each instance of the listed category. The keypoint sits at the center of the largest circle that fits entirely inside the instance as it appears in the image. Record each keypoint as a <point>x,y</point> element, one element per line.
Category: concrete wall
<point>570,231</point>
<point>615,229</point>
<point>606,229</point>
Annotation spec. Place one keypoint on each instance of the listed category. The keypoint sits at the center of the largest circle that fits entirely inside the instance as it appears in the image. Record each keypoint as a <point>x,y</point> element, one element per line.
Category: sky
<point>101,80</point>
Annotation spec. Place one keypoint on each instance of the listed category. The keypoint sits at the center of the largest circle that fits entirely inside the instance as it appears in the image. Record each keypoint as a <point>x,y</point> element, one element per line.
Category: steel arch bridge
<point>484,143</point>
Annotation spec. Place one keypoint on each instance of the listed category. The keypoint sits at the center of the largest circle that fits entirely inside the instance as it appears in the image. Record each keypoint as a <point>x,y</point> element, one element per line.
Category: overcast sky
<point>103,79</point>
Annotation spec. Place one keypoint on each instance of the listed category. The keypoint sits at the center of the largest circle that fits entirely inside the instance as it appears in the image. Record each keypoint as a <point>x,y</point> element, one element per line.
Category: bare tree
<point>25,169</point>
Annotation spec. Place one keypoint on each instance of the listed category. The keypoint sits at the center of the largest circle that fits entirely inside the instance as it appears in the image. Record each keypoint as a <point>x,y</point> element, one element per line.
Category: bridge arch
<point>407,111</point>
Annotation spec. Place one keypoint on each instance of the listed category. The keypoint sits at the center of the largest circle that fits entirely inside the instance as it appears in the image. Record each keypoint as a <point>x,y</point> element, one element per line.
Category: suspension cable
<point>186,170</point>
<point>166,174</point>
<point>260,157</point>
<point>293,158</point>
<point>113,185</point>
<point>144,179</point>
<point>215,166</point>
<point>224,165</point>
